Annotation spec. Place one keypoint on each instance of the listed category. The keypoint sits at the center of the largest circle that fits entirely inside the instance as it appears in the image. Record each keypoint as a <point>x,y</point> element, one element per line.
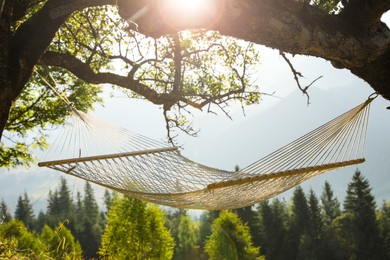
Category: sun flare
<point>187,7</point>
<point>179,12</point>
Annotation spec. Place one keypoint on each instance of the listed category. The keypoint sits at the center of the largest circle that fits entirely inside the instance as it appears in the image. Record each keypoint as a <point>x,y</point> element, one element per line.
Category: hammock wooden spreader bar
<point>138,166</point>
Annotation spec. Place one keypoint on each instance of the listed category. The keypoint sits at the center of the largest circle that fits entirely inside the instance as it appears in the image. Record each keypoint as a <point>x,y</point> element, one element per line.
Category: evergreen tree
<point>135,230</point>
<point>60,206</point>
<point>311,246</point>
<point>40,222</point>
<point>299,222</point>
<point>273,229</point>
<point>359,227</point>
<point>187,245</point>
<point>90,228</point>
<point>250,217</point>
<point>108,199</point>
<point>230,239</point>
<point>330,208</point>
<point>24,211</point>
<point>384,224</point>
<point>5,214</point>
<point>330,205</point>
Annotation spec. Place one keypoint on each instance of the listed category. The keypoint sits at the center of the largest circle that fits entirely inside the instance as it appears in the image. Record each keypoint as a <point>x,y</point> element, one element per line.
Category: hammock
<point>140,167</point>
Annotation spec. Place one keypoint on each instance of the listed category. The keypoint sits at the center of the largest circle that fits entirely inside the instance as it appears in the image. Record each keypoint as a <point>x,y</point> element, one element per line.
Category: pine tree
<point>330,205</point>
<point>40,222</point>
<point>24,211</point>
<point>311,246</point>
<point>384,225</point>
<point>5,214</point>
<point>273,229</point>
<point>60,206</point>
<point>230,239</point>
<point>135,230</point>
<point>299,222</point>
<point>89,229</point>
<point>108,199</point>
<point>359,222</point>
<point>330,209</point>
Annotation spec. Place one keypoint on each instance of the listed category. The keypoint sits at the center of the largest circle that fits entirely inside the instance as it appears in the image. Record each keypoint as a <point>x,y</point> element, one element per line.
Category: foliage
<point>230,239</point>
<point>19,238</point>
<point>273,229</point>
<point>24,211</point>
<point>358,226</point>
<point>60,243</point>
<point>89,225</point>
<point>5,214</point>
<point>187,245</point>
<point>329,205</point>
<point>189,69</point>
<point>384,226</point>
<point>330,6</point>
<point>135,230</point>
<point>38,109</point>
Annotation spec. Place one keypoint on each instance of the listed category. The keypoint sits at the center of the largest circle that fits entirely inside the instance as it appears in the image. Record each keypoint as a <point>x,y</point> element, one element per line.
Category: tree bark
<point>22,49</point>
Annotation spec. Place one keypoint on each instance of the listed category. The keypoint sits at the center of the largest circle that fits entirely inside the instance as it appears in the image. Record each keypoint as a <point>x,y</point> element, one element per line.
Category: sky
<point>145,118</point>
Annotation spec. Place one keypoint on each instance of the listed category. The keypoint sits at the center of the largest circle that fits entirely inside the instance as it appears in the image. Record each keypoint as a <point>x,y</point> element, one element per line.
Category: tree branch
<point>84,72</point>
<point>298,75</point>
<point>30,40</point>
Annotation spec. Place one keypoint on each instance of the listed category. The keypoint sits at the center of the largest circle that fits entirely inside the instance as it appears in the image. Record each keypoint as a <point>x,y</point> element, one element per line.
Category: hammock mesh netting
<point>140,167</point>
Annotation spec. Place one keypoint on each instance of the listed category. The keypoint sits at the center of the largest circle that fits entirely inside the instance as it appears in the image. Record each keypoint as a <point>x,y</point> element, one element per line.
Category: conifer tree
<point>230,239</point>
<point>299,222</point>
<point>41,221</point>
<point>250,217</point>
<point>330,209</point>
<point>273,229</point>
<point>311,246</point>
<point>60,206</point>
<point>330,205</point>
<point>24,211</point>
<point>108,199</point>
<point>384,225</point>
<point>90,229</point>
<point>135,230</point>
<point>358,225</point>
<point>5,214</point>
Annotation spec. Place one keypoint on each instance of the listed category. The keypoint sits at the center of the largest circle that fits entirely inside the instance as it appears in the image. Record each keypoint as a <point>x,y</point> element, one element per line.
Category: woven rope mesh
<point>146,169</point>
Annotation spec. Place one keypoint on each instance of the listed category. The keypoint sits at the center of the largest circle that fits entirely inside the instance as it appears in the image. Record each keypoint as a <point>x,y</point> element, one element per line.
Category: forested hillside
<point>312,225</point>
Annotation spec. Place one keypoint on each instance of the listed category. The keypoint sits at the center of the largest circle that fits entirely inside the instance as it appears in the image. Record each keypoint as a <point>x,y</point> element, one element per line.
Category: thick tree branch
<point>294,27</point>
<point>84,72</point>
<point>33,37</point>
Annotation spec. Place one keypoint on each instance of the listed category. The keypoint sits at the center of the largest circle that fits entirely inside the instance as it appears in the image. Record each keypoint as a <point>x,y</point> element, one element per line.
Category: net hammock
<point>140,167</point>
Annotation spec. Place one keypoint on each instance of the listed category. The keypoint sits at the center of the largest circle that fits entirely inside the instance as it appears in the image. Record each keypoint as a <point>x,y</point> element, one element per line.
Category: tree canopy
<point>197,60</point>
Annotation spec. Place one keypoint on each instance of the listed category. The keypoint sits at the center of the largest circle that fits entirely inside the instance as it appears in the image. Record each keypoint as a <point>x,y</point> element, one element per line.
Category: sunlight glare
<point>179,12</point>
